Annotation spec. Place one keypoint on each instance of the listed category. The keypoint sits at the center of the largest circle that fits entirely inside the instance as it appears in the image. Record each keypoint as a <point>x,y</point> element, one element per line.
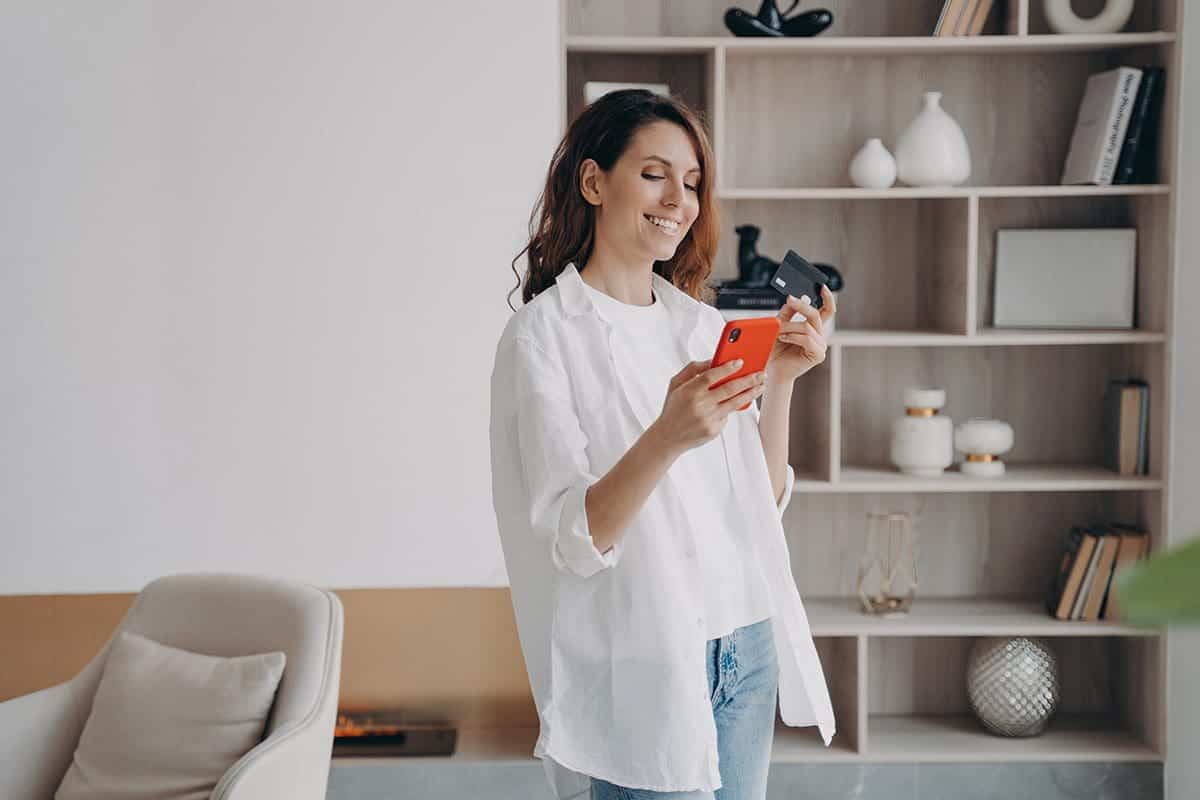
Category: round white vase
<point>983,441</point>
<point>1062,18</point>
<point>933,150</point>
<point>873,167</point>
<point>922,440</point>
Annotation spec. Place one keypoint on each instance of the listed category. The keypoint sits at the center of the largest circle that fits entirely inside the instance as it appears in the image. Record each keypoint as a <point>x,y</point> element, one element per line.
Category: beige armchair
<point>220,615</point>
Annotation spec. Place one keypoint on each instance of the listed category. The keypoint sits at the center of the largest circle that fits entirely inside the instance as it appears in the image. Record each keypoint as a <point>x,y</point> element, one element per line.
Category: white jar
<point>923,439</point>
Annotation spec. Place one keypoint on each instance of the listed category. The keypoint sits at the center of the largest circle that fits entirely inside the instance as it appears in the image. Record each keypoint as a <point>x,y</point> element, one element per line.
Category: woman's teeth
<point>664,225</point>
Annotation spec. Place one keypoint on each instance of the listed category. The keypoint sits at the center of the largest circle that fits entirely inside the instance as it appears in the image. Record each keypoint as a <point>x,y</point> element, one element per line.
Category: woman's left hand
<point>800,345</point>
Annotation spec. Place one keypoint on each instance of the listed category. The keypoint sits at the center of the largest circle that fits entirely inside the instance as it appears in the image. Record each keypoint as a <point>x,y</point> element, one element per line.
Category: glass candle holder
<point>887,572</point>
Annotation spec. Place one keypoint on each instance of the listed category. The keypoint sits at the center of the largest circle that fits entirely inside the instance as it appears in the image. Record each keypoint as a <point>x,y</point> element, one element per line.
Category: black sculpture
<point>755,270</point>
<point>769,22</point>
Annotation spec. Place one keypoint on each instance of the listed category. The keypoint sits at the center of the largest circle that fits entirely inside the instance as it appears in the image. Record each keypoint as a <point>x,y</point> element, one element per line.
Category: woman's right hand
<point>693,413</point>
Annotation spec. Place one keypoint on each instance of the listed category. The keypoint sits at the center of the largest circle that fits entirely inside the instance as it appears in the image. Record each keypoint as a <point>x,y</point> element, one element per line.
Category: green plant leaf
<point>1163,588</point>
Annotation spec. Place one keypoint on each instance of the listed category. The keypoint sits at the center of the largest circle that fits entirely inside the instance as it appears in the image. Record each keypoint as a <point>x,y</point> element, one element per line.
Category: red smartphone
<point>749,339</point>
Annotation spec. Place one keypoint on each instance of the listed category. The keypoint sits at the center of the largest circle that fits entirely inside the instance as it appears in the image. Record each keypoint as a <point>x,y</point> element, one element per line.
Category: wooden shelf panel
<point>955,616</point>
<point>872,45</point>
<point>961,738</point>
<point>937,193</point>
<point>1017,478</point>
<point>987,337</point>
<point>804,745</point>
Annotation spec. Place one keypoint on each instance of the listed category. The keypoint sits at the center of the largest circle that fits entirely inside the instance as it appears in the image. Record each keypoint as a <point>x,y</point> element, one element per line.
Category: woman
<point>639,510</point>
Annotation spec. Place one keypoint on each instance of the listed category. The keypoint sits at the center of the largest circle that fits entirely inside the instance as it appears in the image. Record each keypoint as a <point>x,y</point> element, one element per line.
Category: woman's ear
<point>590,181</point>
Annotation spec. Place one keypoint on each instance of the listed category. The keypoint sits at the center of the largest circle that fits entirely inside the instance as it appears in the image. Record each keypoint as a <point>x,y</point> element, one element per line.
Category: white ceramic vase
<point>1062,18</point>
<point>983,441</point>
<point>933,151</point>
<point>922,440</point>
<point>873,167</point>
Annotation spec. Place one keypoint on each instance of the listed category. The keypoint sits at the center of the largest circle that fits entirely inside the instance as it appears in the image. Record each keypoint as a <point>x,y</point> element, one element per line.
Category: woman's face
<point>650,198</point>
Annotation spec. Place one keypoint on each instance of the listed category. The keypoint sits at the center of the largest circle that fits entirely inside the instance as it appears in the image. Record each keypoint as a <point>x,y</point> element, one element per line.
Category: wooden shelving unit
<point>786,117</point>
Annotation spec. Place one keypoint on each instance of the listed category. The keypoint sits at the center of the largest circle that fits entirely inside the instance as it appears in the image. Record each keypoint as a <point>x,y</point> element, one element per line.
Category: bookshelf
<point>786,117</point>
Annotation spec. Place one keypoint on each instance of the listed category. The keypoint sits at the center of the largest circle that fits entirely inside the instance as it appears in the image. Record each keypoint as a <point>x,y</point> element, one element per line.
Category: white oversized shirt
<point>614,643</point>
<point>646,348</point>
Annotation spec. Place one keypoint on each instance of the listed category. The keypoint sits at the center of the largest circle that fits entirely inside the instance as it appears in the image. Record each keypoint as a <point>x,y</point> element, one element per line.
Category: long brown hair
<point>562,226</point>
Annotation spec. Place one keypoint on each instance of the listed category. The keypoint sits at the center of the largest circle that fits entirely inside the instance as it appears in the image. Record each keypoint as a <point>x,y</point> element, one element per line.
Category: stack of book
<point>1116,128</point>
<point>1093,555</point>
<point>962,17</point>
<point>1126,420</point>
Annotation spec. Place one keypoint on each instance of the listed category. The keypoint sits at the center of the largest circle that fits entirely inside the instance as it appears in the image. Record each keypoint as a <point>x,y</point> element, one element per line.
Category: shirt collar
<point>575,299</point>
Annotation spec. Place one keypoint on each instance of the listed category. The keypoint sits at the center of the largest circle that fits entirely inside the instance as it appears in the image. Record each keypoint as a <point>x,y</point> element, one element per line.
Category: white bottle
<point>933,150</point>
<point>873,166</point>
<point>923,439</point>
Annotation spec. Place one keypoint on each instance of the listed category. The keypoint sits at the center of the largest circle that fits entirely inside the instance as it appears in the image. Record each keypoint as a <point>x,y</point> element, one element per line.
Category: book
<point>1100,125</point>
<point>1143,447</point>
<point>1079,563</point>
<point>1104,566</point>
<point>1058,582</point>
<point>1134,544</point>
<point>1095,535</point>
<point>1135,164</point>
<point>979,17</point>
<point>1125,427</point>
<point>947,23</point>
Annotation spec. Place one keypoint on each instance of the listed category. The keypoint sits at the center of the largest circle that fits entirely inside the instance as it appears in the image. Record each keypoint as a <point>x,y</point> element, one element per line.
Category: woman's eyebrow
<point>668,163</point>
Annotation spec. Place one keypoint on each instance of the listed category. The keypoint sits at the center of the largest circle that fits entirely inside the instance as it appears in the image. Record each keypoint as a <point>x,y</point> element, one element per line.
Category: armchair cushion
<point>167,723</point>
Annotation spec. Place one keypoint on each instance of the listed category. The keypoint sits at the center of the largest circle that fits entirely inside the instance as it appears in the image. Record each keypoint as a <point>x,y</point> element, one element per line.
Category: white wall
<point>1183,643</point>
<point>253,266</point>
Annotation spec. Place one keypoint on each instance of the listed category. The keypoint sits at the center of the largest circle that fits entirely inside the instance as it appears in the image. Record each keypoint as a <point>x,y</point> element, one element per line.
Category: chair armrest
<point>38,736</point>
<point>291,764</point>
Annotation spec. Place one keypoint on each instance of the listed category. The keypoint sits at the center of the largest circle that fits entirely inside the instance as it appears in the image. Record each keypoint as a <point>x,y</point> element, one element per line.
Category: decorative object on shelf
<point>887,571</point>
<point>1065,278</point>
<point>873,167</point>
<point>983,441</point>
<point>933,150</point>
<point>391,733</point>
<point>1013,684</point>
<point>594,90</point>
<point>770,22</point>
<point>923,440</point>
<point>752,289</point>
<point>1062,18</point>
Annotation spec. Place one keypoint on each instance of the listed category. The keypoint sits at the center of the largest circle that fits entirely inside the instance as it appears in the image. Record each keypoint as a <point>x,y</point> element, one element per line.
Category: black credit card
<point>798,278</point>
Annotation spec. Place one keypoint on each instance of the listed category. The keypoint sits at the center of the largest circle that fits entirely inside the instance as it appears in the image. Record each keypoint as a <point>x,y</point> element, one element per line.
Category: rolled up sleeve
<point>554,462</point>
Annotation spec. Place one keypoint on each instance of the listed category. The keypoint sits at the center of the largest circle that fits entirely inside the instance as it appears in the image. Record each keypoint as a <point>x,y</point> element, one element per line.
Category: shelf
<point>955,616</point>
<point>870,45</point>
<point>988,337</point>
<point>1017,478</point>
<point>804,745</point>
<point>939,193</point>
<point>960,737</point>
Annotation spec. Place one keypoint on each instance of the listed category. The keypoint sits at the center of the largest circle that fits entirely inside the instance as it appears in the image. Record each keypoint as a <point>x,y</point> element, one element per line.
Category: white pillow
<point>168,723</point>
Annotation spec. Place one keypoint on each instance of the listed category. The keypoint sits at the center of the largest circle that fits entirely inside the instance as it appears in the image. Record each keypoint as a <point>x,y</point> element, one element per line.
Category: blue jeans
<point>743,680</point>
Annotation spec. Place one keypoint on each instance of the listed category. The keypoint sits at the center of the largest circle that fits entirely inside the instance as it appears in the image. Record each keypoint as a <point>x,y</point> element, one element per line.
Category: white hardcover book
<point>1100,126</point>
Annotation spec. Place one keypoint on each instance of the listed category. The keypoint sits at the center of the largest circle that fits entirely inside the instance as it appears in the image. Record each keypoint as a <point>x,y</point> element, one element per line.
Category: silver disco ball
<point>1012,684</point>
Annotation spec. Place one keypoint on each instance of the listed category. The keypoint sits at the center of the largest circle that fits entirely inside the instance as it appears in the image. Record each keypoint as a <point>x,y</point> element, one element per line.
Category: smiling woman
<point>638,489</point>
